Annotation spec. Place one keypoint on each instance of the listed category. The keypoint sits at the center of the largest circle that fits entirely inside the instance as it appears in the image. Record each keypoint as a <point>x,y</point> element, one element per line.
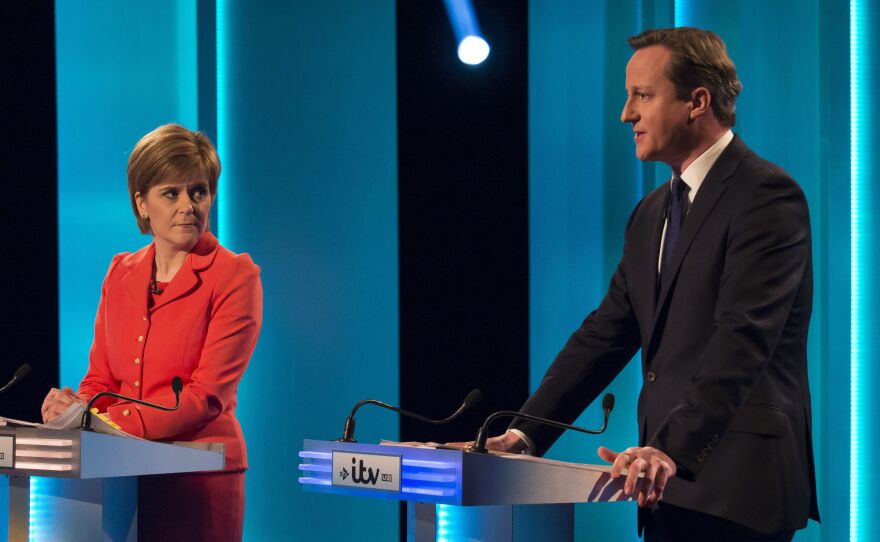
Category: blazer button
<point>126,412</point>
<point>651,376</point>
<point>140,338</point>
<point>137,361</point>
<point>137,383</point>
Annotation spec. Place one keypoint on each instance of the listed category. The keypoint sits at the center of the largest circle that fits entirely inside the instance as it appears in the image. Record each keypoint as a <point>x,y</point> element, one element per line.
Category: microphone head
<point>472,398</point>
<point>23,371</point>
<point>608,402</point>
<point>177,385</point>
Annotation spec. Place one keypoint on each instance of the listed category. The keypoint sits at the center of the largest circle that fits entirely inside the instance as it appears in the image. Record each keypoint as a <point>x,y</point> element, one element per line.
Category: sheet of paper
<point>71,418</point>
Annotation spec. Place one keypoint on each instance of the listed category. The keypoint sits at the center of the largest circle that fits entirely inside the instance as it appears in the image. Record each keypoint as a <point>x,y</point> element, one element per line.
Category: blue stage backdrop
<point>307,128</point>
<point>122,69</point>
<point>306,123</point>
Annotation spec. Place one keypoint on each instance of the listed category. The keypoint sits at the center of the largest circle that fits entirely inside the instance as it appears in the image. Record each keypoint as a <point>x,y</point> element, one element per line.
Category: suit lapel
<point>136,281</point>
<point>187,278</point>
<point>184,282</point>
<point>650,251</point>
<point>713,187</point>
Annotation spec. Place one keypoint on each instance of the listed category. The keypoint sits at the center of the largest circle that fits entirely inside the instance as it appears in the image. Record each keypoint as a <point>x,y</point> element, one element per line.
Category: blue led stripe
<point>223,133</point>
<point>316,455</point>
<point>315,467</point>
<point>39,510</point>
<point>861,244</point>
<point>445,523</point>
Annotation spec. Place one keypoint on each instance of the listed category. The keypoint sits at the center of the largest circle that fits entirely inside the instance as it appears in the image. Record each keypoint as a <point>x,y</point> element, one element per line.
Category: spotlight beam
<point>473,48</point>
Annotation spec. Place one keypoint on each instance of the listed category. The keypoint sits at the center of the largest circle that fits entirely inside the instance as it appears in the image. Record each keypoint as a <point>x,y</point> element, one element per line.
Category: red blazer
<point>203,328</point>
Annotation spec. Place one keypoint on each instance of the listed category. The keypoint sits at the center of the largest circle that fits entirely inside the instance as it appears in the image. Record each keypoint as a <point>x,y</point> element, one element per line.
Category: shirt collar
<point>695,173</point>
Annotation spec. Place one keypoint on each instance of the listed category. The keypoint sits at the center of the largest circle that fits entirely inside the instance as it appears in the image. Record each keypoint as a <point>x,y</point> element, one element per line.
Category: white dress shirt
<point>693,176</point>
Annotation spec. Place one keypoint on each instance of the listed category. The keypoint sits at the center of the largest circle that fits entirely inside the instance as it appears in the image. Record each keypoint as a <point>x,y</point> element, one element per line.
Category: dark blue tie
<point>677,212</point>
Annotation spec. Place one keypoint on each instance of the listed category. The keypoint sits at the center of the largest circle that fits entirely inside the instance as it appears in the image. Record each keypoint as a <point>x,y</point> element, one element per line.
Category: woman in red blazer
<point>181,306</point>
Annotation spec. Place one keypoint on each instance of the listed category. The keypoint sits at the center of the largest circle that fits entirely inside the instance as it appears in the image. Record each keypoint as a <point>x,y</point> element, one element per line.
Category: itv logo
<point>362,474</point>
<point>366,470</point>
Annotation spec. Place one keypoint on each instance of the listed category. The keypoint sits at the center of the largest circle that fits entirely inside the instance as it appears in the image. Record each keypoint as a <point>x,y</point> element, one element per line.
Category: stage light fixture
<point>473,50</point>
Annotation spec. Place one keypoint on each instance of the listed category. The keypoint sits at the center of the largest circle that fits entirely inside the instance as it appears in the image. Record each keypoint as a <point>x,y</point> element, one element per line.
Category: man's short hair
<point>699,59</point>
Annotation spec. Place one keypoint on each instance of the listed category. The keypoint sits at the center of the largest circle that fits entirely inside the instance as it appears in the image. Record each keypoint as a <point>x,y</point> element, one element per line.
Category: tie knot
<point>679,187</point>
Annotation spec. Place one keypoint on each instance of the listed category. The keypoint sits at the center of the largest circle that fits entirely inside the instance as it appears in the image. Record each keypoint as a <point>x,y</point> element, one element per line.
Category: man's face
<point>659,119</point>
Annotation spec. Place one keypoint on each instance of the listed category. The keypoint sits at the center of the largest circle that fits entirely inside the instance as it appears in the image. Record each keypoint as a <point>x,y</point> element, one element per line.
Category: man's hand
<point>508,442</point>
<point>657,466</point>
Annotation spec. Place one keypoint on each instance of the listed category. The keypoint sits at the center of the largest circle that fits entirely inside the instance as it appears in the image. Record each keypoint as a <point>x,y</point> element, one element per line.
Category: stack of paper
<point>71,418</point>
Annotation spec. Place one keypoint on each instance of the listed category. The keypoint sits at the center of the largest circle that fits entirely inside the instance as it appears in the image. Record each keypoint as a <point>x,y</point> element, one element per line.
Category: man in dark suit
<point>715,288</point>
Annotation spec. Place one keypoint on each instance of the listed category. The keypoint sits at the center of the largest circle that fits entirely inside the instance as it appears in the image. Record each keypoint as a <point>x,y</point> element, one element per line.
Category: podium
<point>458,495</point>
<point>72,485</point>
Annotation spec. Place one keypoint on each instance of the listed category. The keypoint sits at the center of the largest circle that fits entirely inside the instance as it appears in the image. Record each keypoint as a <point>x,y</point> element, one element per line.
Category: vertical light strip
<point>444,528</point>
<point>859,244</point>
<point>223,143</point>
<point>39,511</point>
<point>680,10</point>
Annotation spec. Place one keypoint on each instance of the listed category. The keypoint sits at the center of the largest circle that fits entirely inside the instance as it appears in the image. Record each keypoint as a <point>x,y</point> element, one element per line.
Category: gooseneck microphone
<point>176,386</point>
<point>19,375</point>
<point>348,433</point>
<point>479,444</point>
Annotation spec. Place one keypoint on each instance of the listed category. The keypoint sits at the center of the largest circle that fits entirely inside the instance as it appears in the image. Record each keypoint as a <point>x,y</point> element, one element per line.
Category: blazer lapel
<point>187,278</point>
<point>649,254</point>
<point>713,187</point>
<point>184,282</point>
<point>137,280</point>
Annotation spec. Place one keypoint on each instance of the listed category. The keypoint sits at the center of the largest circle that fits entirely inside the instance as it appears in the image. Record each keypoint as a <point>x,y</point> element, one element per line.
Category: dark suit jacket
<point>723,338</point>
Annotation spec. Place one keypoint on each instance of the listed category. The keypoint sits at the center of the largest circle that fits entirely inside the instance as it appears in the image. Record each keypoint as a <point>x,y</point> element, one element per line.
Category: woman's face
<point>177,211</point>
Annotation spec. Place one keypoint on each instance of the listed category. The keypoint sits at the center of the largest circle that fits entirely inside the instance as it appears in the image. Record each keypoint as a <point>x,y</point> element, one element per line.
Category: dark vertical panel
<point>206,41</point>
<point>463,216</point>
<point>28,208</point>
<point>207,66</point>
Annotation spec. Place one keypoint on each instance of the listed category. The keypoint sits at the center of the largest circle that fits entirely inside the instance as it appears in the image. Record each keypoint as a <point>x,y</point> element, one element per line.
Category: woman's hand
<point>57,402</point>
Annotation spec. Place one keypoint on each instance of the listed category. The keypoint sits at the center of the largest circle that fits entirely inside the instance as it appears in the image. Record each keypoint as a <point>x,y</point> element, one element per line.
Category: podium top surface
<point>452,476</point>
<point>84,454</point>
